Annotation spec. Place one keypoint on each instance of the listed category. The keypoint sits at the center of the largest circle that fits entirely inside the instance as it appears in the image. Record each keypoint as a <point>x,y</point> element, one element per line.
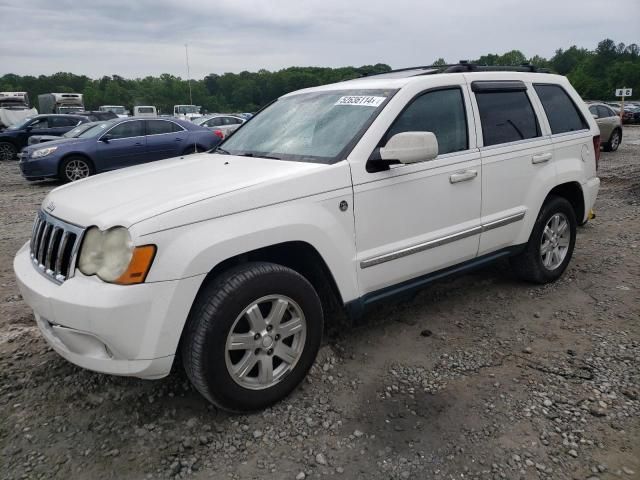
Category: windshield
<point>310,127</point>
<point>22,124</point>
<point>113,108</point>
<point>186,109</point>
<point>145,109</point>
<point>96,130</point>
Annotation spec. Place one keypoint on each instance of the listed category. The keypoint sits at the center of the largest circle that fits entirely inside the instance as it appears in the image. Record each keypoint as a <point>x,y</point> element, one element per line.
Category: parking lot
<point>479,377</point>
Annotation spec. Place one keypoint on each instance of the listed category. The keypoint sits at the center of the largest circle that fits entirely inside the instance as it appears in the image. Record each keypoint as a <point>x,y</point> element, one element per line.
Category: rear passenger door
<point>517,161</point>
<point>165,139</point>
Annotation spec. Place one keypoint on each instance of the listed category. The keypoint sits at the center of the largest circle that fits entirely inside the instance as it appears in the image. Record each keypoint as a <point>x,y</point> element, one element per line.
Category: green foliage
<point>595,74</point>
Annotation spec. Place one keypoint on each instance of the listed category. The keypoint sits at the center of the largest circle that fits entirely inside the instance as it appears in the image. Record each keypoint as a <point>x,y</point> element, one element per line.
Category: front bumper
<point>130,330</point>
<point>45,167</point>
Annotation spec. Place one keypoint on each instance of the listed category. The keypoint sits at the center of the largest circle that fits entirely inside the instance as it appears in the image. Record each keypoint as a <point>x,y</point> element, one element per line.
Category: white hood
<point>131,195</point>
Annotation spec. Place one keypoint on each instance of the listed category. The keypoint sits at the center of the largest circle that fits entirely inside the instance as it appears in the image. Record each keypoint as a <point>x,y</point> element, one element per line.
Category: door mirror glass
<point>106,138</point>
<point>410,147</point>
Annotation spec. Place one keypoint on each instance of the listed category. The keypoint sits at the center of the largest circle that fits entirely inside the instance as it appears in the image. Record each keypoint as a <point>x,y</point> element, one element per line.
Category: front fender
<point>196,248</point>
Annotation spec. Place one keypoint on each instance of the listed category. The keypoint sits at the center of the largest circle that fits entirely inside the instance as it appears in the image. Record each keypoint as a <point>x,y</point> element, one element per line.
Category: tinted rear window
<point>159,127</point>
<point>506,117</point>
<point>562,113</point>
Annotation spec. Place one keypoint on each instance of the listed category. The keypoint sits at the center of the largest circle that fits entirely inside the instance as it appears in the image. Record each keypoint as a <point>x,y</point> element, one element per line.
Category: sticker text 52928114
<point>361,100</point>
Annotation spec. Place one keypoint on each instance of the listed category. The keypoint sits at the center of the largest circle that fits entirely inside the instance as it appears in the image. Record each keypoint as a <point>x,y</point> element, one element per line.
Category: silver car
<point>610,125</point>
<point>224,123</point>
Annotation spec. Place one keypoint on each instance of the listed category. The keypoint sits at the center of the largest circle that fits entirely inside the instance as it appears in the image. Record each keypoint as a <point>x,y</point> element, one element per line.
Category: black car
<point>16,137</point>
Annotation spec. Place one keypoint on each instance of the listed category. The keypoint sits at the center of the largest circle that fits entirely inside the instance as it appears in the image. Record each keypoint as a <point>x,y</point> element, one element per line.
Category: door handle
<point>178,139</point>
<point>138,144</point>
<point>541,158</point>
<point>463,176</point>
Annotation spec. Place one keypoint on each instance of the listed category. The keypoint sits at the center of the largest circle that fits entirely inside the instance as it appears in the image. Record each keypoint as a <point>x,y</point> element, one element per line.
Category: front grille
<point>54,246</point>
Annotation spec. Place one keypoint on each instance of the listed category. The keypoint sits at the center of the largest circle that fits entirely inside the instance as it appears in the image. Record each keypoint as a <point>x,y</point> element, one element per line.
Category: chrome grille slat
<point>61,247</point>
<point>54,247</point>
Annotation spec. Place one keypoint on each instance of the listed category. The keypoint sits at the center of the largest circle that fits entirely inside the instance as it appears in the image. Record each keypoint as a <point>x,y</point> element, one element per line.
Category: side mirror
<point>595,115</point>
<point>105,138</point>
<point>28,128</point>
<point>410,147</point>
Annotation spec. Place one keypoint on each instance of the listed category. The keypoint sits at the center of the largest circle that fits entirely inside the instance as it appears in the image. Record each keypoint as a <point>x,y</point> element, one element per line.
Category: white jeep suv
<point>342,195</point>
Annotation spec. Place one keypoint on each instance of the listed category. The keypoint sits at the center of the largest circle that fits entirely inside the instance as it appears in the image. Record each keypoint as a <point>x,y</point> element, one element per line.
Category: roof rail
<point>466,66</point>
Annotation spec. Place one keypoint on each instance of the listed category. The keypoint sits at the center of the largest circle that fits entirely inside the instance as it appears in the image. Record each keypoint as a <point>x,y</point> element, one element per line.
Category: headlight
<point>43,152</point>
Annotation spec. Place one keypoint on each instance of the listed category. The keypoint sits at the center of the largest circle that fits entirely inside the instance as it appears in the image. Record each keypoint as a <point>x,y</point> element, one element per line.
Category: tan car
<point>610,126</point>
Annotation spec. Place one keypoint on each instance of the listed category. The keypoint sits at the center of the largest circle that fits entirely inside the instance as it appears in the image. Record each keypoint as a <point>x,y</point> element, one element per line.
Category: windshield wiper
<point>250,154</point>
<point>221,150</point>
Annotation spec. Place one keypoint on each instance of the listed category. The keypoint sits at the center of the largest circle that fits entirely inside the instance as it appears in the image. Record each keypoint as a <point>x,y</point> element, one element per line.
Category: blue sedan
<point>114,144</point>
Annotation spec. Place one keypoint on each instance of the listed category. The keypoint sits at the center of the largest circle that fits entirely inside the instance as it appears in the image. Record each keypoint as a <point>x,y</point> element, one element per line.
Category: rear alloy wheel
<point>550,245</point>
<point>614,142</point>
<point>7,151</point>
<point>75,168</point>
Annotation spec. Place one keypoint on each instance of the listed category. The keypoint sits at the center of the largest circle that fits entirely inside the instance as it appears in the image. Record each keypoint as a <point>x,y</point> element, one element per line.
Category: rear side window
<point>441,112</point>
<point>506,116</point>
<point>159,127</point>
<point>63,121</point>
<point>605,112</point>
<point>562,113</point>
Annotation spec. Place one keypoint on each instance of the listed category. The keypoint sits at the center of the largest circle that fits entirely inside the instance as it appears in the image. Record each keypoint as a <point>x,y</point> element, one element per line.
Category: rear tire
<point>75,168</point>
<point>550,245</point>
<point>8,151</point>
<point>252,335</point>
<point>614,141</point>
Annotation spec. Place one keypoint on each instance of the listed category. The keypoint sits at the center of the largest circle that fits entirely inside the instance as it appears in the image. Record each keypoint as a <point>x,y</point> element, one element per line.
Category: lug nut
<point>270,351</point>
<point>256,351</point>
<point>277,337</point>
<point>256,336</point>
<point>269,328</point>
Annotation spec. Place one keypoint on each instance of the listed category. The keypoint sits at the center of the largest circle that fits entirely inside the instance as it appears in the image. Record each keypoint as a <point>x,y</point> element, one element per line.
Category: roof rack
<point>465,66</point>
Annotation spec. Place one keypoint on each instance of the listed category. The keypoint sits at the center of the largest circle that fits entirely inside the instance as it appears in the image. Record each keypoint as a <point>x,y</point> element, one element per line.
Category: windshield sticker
<point>361,101</point>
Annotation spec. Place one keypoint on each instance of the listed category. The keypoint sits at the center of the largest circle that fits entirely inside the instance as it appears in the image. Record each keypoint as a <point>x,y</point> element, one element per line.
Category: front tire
<point>8,151</point>
<point>550,245</point>
<point>252,335</point>
<point>75,168</point>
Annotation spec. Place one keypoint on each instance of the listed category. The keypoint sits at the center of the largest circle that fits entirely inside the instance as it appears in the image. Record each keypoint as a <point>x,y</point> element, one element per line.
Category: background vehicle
<point>60,102</point>
<point>186,112</point>
<point>35,139</point>
<point>114,144</point>
<point>96,115</point>
<point>17,136</point>
<point>610,125</point>
<point>339,196</point>
<point>223,123</point>
<point>14,107</point>
<point>145,111</point>
<point>119,110</point>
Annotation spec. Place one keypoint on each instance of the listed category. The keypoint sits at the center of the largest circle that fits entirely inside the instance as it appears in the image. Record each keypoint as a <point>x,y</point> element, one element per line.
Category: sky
<point>136,38</point>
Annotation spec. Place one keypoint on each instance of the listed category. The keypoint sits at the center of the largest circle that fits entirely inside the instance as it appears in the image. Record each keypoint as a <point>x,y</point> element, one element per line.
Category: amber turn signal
<point>139,265</point>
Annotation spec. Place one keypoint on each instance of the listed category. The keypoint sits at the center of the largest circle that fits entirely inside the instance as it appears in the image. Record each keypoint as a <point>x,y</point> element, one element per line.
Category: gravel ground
<point>480,377</point>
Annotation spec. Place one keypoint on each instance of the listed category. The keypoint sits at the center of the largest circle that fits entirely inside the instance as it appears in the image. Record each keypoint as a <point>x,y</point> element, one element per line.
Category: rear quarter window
<point>563,115</point>
<point>506,117</point>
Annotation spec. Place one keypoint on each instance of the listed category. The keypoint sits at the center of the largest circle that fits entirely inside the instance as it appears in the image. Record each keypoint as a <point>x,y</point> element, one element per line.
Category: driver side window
<point>40,123</point>
<point>439,111</point>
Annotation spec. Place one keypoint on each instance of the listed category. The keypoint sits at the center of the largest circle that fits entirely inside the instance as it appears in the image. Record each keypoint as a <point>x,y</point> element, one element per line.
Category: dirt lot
<point>481,377</point>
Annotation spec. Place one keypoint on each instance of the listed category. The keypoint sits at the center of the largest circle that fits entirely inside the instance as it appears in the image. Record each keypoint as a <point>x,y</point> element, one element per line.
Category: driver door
<point>415,219</point>
<point>126,145</point>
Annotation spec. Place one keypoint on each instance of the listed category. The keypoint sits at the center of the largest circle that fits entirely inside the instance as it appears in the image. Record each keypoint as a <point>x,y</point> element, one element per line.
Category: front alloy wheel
<point>265,342</point>
<point>252,334</point>
<point>75,168</point>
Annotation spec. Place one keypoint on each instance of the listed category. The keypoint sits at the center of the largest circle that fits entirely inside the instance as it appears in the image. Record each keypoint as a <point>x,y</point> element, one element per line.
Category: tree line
<point>594,73</point>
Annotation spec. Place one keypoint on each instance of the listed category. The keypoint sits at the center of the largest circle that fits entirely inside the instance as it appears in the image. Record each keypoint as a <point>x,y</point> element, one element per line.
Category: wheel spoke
<point>562,227</point>
<point>265,370</point>
<point>255,318</point>
<point>244,366</point>
<point>563,241</point>
<point>546,246</point>
<point>290,328</point>
<point>547,232</point>
<point>554,223</point>
<point>241,341</point>
<point>278,309</point>
<point>285,353</point>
